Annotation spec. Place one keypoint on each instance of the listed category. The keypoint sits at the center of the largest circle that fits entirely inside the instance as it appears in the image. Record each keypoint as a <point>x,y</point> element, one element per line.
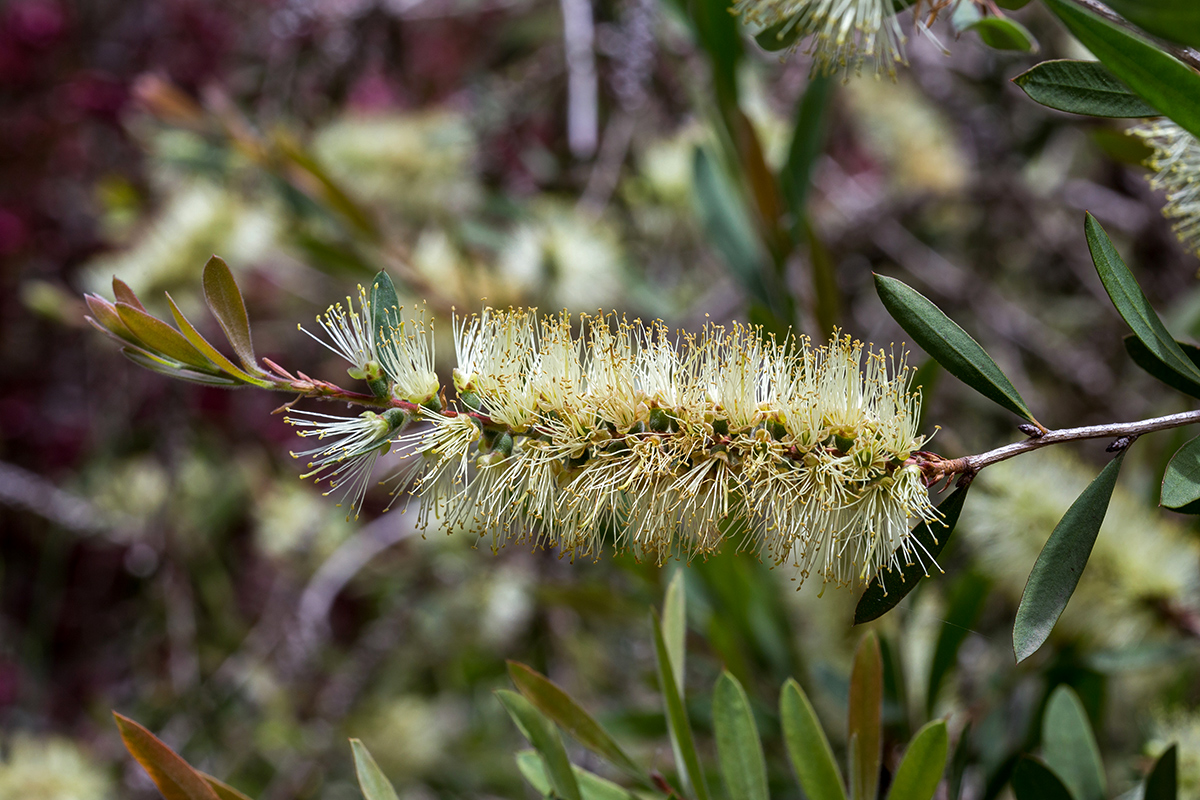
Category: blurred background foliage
<point>159,555</point>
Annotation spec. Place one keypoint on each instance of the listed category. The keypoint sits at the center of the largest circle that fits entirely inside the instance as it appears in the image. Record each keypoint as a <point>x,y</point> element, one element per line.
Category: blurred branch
<point>27,491</point>
<point>579,43</point>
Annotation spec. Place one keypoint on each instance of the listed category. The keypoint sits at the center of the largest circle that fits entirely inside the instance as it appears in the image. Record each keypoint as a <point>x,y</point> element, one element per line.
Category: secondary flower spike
<point>840,33</point>
<point>1176,165</point>
<point>616,432</point>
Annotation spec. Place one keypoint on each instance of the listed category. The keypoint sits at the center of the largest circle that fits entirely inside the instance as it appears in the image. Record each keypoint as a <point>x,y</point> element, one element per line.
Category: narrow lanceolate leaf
<point>571,717</point>
<point>211,353</point>
<point>674,625</point>
<point>739,749</point>
<point>385,306</point>
<point>107,320</point>
<point>1033,780</point>
<point>1173,20</point>
<point>157,335</point>
<point>1082,87</point>
<point>1002,33</point>
<point>225,300</point>
<point>1069,746</point>
<point>545,738</point>
<point>807,747</point>
<point>1181,481</point>
<point>953,347</point>
<point>173,369</point>
<point>889,587</point>
<point>591,786</point>
<point>808,139</point>
<point>924,761</point>
<point>174,777</point>
<point>1057,569</point>
<point>1132,304</point>
<point>677,719</point>
<point>1163,781</point>
<point>372,781</point>
<point>124,294</point>
<point>963,608</point>
<point>1148,361</point>
<point>1163,81</point>
<point>866,718</point>
<point>224,791</point>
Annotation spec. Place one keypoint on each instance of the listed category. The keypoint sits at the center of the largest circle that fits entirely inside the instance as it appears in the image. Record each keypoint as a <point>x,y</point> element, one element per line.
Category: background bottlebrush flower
<point>1176,165</point>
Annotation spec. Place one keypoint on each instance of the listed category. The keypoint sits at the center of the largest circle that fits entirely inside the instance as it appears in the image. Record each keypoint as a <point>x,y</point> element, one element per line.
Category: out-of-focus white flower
<point>50,768</point>
<point>840,34</point>
<point>1176,165</point>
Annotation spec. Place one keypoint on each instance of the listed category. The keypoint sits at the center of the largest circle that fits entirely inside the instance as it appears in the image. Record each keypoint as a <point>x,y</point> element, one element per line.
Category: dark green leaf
<point>1181,481</point>
<point>571,717</point>
<point>1173,20</point>
<point>1082,87</point>
<point>1162,782</point>
<point>1012,5</point>
<point>866,719</point>
<point>953,348</point>
<point>591,786</point>
<point>385,306</point>
<point>1144,358</point>
<point>677,719</point>
<point>225,301</point>
<point>545,738</point>
<point>1002,33</point>
<point>1033,780</point>
<point>1163,81</point>
<point>827,299</point>
<point>1069,746</point>
<point>1057,569</point>
<point>963,609</point>
<point>719,35</point>
<point>924,761</point>
<point>807,746</point>
<point>739,749</point>
<point>174,777</point>
<point>889,587</point>
<point>724,217</point>
<point>372,781</point>
<point>160,337</point>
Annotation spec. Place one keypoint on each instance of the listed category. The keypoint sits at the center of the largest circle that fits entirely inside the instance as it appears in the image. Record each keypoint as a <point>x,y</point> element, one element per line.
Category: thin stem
<point>969,465</point>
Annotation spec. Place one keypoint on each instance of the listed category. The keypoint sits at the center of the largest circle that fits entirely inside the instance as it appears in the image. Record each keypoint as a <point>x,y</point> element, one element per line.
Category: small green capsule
<point>721,427</point>
<point>660,420</point>
<point>843,443</point>
<point>504,445</point>
<point>777,429</point>
<point>471,400</point>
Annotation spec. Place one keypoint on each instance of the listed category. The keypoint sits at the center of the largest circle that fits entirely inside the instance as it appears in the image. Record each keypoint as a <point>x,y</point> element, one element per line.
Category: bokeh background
<point>160,556</point>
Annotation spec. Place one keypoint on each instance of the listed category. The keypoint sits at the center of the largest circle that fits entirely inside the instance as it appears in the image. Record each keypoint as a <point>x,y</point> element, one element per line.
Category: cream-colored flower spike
<point>622,435</point>
<point>840,34</point>
<point>1176,165</point>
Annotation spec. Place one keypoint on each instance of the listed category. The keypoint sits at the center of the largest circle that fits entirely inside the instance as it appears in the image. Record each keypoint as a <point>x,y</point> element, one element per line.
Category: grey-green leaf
<point>1057,569</point>
<point>889,587</point>
<point>591,786</point>
<point>545,738</point>
<point>1082,87</point>
<point>1069,746</point>
<point>226,303</point>
<point>677,718</point>
<point>924,761</point>
<point>1033,780</point>
<point>953,347</point>
<point>385,306</point>
<point>1163,81</point>
<point>372,781</point>
<point>1181,481</point>
<point>807,746</point>
<point>1163,781</point>
<point>739,749</point>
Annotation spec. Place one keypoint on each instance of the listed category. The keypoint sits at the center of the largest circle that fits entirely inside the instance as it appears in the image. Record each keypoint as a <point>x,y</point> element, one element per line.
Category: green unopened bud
<point>659,420</point>
<point>504,444</point>
<point>470,400</point>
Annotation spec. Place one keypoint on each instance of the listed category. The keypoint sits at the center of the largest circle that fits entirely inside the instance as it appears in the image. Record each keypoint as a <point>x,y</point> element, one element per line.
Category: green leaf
<point>677,719</point>
<point>720,36</point>
<point>107,320</point>
<point>807,746</point>
<point>728,225</point>
<point>1181,481</point>
<point>1144,358</point>
<point>808,139</point>
<point>1002,33</point>
<point>174,777</point>
<point>224,791</point>
<point>963,609</point>
<point>211,353</point>
<point>173,369</point>
<point>1163,81</point>
<point>921,769</point>
<point>1057,569</point>
<point>674,625</point>
<point>545,738</point>
<point>866,717</point>
<point>739,749</point>
<point>385,306</point>
<point>226,303</point>
<point>1163,781</point>
<point>124,294</point>
<point>953,348</point>
<point>571,717</point>
<point>372,781</point>
<point>1012,5</point>
<point>1033,780</point>
<point>1173,20</point>
<point>156,335</point>
<point>591,786</point>
<point>889,587</point>
<point>1069,746</point>
<point>1082,87</point>
<point>1132,304</point>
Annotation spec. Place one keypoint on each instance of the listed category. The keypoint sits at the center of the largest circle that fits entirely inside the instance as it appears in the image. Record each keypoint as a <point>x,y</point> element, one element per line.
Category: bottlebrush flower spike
<point>840,33</point>
<point>1176,164</point>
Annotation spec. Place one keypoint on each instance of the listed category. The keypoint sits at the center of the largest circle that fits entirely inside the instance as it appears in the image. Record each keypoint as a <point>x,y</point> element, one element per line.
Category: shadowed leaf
<point>1033,780</point>
<point>1173,20</point>
<point>211,353</point>
<point>677,718</point>
<point>1144,358</point>
<point>1163,781</point>
<point>1082,87</point>
<point>157,335</point>
<point>224,791</point>
<point>964,606</point>
<point>1181,481</point>
<point>591,786</point>
<point>866,715</point>
<point>1069,746</point>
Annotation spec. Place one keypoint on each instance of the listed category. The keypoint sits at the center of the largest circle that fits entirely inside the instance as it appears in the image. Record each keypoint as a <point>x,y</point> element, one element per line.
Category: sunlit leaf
<point>124,294</point>
<point>866,719</point>
<point>1181,481</point>
<point>953,347</point>
<point>674,625</point>
<point>739,749</point>
<point>1033,780</point>
<point>924,761</point>
<point>1082,87</point>
<point>174,777</point>
<point>206,348</point>
<point>106,319</point>
<point>1069,746</point>
<point>1057,569</point>
<point>225,300</point>
<point>807,746</point>
<point>545,738</point>
<point>677,719</point>
<point>372,781</point>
